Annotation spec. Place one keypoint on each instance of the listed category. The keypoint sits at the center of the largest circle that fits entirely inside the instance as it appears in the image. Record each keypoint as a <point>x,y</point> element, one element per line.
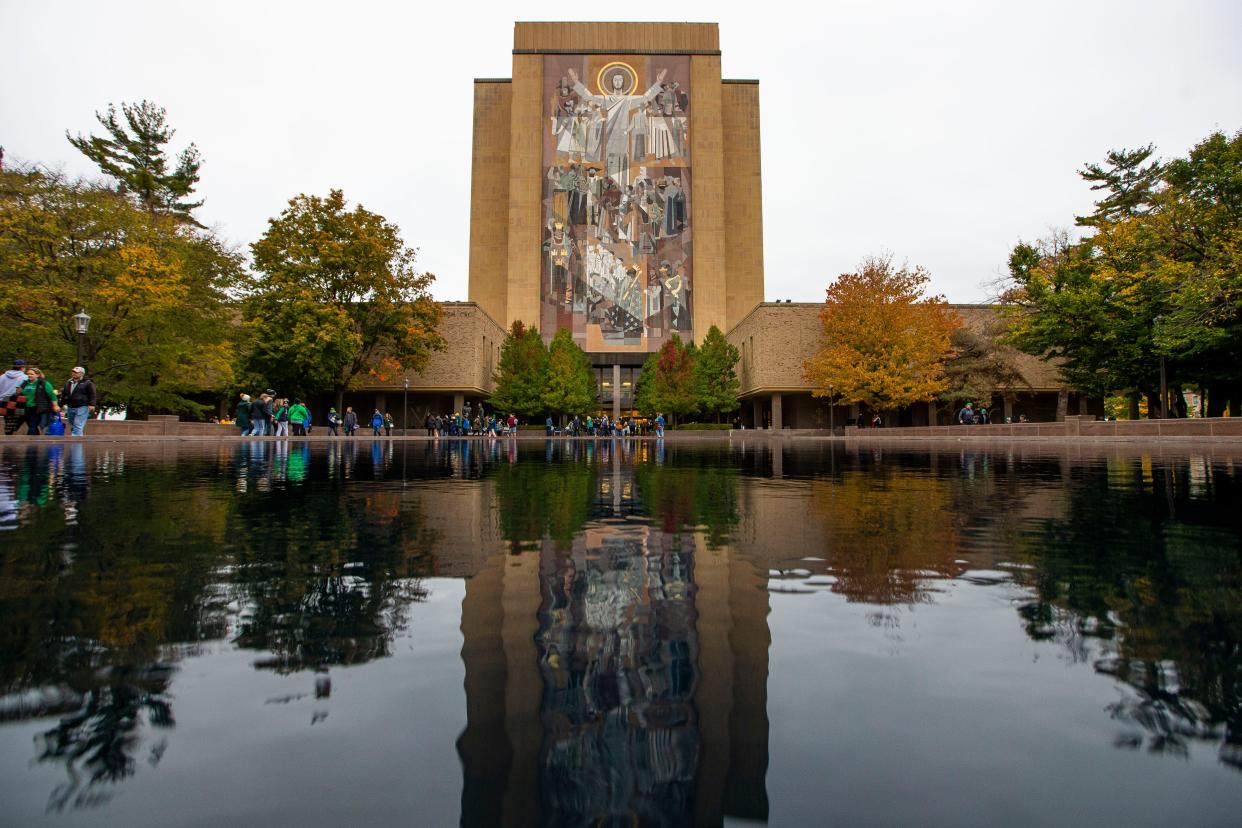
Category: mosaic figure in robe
<point>617,108</point>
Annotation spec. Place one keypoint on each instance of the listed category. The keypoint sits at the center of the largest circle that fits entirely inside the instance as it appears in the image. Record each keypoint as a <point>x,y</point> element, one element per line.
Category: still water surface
<point>484,633</point>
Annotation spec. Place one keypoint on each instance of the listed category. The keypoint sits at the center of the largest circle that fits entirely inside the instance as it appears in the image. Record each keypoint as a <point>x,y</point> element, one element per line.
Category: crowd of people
<point>30,399</point>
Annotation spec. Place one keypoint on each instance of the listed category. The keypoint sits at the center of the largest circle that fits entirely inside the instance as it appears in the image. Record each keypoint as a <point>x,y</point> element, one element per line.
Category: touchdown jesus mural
<point>617,266</point>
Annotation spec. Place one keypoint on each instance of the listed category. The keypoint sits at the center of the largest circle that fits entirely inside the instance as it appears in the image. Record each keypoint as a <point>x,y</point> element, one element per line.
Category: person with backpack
<point>78,399</point>
<point>40,401</point>
<point>14,405</point>
<point>377,422</point>
<point>299,416</point>
<point>334,422</point>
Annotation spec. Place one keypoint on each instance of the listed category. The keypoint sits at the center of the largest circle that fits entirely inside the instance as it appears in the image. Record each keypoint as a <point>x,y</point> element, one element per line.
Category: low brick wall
<point>1073,427</point>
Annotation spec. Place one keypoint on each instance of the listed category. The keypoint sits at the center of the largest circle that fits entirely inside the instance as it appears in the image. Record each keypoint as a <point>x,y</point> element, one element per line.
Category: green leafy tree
<point>570,387</point>
<point>667,382</point>
<point>134,154</point>
<point>337,298</point>
<point>1157,280</point>
<point>522,374</point>
<point>157,290</point>
<point>716,383</point>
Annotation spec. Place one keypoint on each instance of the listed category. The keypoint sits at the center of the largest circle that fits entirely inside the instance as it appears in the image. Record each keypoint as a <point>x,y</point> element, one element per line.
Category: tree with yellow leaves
<point>884,343</point>
<point>155,286</point>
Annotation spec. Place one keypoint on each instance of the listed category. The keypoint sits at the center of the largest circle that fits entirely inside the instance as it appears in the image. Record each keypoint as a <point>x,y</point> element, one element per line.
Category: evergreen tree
<point>570,387</point>
<point>1129,181</point>
<point>134,154</point>
<point>715,381</point>
<point>522,374</point>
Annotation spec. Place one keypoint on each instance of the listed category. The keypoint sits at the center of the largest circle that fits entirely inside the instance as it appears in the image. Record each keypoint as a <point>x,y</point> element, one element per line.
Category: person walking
<point>377,422</point>
<point>11,382</point>
<point>388,423</point>
<point>547,424</point>
<point>280,418</point>
<point>41,401</point>
<point>351,421</point>
<point>659,425</point>
<point>78,398</point>
<point>299,416</point>
<point>241,415</point>
<point>334,422</point>
<point>261,415</point>
<point>966,415</point>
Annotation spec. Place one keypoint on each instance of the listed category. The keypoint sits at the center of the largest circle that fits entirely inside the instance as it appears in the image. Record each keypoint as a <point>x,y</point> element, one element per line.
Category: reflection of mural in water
<point>618,657</point>
<point>616,236</point>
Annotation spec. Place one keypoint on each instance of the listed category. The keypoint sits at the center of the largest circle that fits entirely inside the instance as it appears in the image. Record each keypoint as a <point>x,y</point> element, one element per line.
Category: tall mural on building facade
<point>617,265</point>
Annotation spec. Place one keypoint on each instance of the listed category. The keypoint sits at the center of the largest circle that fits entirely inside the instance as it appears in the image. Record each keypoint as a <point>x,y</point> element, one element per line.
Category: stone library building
<point>616,192</point>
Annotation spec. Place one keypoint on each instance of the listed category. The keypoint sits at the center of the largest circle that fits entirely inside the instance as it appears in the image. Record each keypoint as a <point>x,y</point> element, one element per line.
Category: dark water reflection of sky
<point>615,633</point>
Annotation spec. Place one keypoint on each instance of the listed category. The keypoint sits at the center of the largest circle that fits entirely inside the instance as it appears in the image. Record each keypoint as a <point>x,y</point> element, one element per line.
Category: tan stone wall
<point>489,197</point>
<point>776,339</point>
<point>616,37</point>
<point>743,205</point>
<point>525,185</point>
<point>707,186</point>
<point>473,352</point>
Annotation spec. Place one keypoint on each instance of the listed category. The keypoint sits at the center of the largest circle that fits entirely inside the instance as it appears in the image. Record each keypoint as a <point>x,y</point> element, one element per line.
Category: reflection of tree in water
<point>327,576</point>
<point>98,742</point>
<point>98,605</point>
<point>888,534</point>
<point>1143,576</point>
<point>618,657</point>
<point>695,491</point>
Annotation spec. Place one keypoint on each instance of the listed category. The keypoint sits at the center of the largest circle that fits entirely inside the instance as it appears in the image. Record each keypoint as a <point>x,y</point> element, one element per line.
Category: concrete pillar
<point>616,392</point>
<point>381,403</point>
<point>853,414</point>
<point>757,412</point>
<point>1008,408</point>
<point>931,413</point>
<point>776,412</point>
<point>459,402</point>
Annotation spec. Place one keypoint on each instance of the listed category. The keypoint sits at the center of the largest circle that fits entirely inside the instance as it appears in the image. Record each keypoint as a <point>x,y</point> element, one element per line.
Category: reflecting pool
<point>484,633</point>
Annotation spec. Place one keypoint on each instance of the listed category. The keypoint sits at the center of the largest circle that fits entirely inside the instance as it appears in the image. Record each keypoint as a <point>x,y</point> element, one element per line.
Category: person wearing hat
<point>11,382</point>
<point>78,398</point>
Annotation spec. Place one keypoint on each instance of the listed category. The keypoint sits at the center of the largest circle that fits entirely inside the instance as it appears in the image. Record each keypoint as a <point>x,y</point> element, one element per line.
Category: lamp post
<point>81,322</point>
<point>405,411</point>
<point>1164,388</point>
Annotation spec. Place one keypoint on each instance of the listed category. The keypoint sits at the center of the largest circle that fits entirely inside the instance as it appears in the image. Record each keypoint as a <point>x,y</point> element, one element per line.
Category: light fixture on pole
<point>81,323</point>
<point>1164,387</point>
<point>405,408</point>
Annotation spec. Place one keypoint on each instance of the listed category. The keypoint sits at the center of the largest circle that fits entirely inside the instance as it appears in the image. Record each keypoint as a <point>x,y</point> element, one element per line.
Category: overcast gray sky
<point>942,132</point>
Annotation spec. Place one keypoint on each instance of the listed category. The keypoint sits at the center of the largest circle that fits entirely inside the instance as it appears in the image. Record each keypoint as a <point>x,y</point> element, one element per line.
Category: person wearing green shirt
<point>299,415</point>
<point>41,401</point>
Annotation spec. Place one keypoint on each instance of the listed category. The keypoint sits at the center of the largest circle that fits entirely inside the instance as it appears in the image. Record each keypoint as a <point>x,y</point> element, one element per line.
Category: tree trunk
<point>1133,398</point>
<point>1062,404</point>
<point>340,400</point>
<point>1179,402</point>
<point>1153,405</point>
<point>1217,400</point>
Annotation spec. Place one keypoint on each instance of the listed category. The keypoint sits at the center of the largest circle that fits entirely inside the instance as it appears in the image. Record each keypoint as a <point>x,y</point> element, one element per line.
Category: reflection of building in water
<point>624,678</point>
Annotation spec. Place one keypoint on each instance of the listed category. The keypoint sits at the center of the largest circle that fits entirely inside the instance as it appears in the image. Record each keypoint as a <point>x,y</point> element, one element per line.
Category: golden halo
<point>617,64</point>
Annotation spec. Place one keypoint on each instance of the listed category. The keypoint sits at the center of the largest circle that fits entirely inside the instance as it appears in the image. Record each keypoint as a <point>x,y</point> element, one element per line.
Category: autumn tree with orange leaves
<point>883,342</point>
